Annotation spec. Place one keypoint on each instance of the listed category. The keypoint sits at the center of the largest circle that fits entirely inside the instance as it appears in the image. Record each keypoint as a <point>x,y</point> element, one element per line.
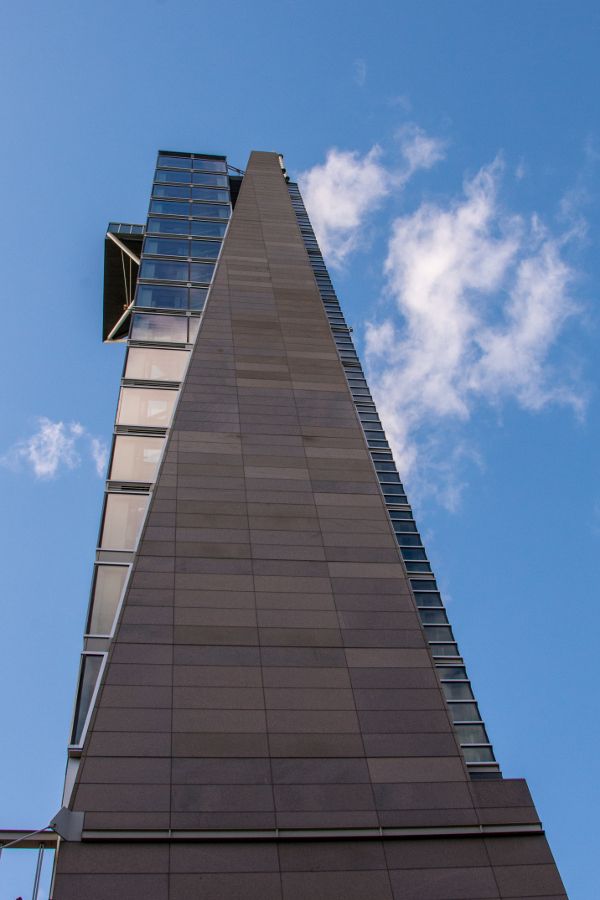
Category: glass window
<point>439,633</point>
<point>176,192</point>
<point>88,676</point>
<point>433,617</point>
<point>163,270</point>
<point>402,514</point>
<point>198,298</point>
<point>148,327</point>
<point>194,328</point>
<point>166,247</point>
<point>444,650</point>
<point>453,672</point>
<point>176,162</point>
<point>123,517</point>
<point>205,249</point>
<point>412,553</point>
<point>408,540</point>
<point>205,178</point>
<point>160,296</point>
<point>423,584</point>
<point>172,177</point>
<point>464,712</point>
<point>208,229</point>
<point>210,165</point>
<point>201,272</point>
<point>387,478</point>
<point>168,226</point>
<point>404,525</point>
<point>471,734</point>
<point>108,587</point>
<point>146,406</point>
<point>478,754</point>
<point>136,457</point>
<point>170,207</point>
<point>205,210</point>
<point>428,599</point>
<point>199,193</point>
<point>457,690</point>
<point>156,365</point>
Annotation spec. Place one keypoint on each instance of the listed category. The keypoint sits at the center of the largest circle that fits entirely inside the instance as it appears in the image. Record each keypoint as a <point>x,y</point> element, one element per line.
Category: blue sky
<point>469,270</point>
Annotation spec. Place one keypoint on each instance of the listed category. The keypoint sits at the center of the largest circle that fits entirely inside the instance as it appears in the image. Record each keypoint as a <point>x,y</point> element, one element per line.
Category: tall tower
<point>271,705</point>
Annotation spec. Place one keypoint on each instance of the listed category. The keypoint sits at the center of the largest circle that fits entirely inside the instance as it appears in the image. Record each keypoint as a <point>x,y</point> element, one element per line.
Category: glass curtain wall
<point>188,217</point>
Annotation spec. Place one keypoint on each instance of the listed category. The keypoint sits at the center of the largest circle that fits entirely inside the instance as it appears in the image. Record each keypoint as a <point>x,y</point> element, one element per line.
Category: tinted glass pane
<point>401,514</point>
<point>164,271</point>
<point>198,298</point>
<point>156,365</point>
<point>205,210</point>
<point>423,584</point>
<point>122,520</point>
<point>201,272</point>
<point>478,754</point>
<point>415,567</point>
<point>433,617</point>
<point>170,207</point>
<point>168,226</point>
<point>408,540</point>
<point>172,329</point>
<point>457,690</point>
<point>210,165</point>
<point>199,193</point>
<point>410,553</point>
<point>146,406</point>
<point>172,177</point>
<point>464,712</point>
<point>88,675</point>
<point>166,247</point>
<point>160,296</point>
<point>208,229</point>
<point>174,191</point>
<point>206,249</point>
<point>438,633</point>
<point>108,586</point>
<point>452,672</point>
<point>388,478</point>
<point>471,734</point>
<point>444,650</point>
<point>405,525</point>
<point>176,162</point>
<point>427,599</point>
<point>136,457</point>
<point>205,178</point>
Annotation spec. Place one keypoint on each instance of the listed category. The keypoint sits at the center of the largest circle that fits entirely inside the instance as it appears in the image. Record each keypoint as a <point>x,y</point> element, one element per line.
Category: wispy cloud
<point>480,297</point>
<point>360,72</point>
<point>341,192</point>
<point>55,446</point>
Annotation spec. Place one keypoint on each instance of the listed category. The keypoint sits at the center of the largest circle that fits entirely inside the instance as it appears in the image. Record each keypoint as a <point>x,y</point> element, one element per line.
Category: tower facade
<point>271,701</point>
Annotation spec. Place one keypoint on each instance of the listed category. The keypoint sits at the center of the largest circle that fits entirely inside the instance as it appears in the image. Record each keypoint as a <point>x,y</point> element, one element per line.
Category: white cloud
<point>338,196</point>
<point>360,72</point>
<point>419,150</point>
<point>480,299</point>
<point>54,446</point>
<point>99,452</point>
<point>341,193</point>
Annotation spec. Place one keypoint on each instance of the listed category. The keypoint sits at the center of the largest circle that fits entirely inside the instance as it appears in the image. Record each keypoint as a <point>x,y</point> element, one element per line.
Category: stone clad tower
<point>272,705</point>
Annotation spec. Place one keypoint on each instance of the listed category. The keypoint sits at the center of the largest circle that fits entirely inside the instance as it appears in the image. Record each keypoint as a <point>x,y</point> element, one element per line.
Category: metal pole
<point>38,873</point>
